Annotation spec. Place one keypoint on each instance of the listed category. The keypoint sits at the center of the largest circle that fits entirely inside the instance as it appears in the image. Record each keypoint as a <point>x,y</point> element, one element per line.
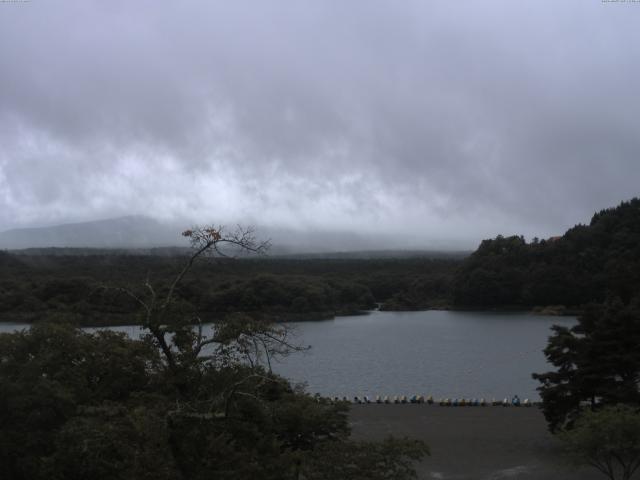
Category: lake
<point>439,353</point>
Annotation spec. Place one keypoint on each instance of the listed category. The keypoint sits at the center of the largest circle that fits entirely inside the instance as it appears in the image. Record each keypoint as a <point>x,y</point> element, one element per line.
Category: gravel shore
<point>479,443</point>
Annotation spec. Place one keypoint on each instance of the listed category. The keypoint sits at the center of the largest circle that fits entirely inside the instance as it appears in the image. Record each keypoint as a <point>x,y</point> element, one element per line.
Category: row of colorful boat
<point>443,402</point>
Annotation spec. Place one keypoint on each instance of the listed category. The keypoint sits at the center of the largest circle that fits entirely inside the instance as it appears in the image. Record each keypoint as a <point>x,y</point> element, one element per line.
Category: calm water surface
<point>440,353</point>
<point>453,354</point>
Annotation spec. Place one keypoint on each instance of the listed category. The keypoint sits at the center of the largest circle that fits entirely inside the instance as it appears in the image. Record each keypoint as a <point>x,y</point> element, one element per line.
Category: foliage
<point>607,439</point>
<point>180,403</point>
<point>49,374</point>
<point>583,266</point>
<point>42,286</point>
<point>597,362</point>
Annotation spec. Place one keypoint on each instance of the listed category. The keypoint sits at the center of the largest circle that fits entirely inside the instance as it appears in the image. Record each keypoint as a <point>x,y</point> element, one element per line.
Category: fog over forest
<point>319,239</point>
<point>397,125</point>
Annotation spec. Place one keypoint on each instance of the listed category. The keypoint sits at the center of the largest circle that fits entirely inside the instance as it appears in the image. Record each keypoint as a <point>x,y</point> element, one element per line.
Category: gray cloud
<point>438,120</point>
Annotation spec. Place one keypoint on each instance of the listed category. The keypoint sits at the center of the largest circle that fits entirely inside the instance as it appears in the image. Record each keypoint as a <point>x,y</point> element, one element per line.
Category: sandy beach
<point>479,443</point>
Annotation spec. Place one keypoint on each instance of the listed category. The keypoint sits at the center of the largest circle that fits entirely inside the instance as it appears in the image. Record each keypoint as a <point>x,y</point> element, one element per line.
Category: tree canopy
<point>597,362</point>
<point>34,287</point>
<point>608,440</point>
<point>183,402</point>
<point>585,265</point>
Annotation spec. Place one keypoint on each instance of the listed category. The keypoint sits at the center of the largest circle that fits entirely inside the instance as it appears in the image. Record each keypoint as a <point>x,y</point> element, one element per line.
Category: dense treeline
<point>101,406</point>
<point>585,265</point>
<point>181,402</point>
<point>84,287</point>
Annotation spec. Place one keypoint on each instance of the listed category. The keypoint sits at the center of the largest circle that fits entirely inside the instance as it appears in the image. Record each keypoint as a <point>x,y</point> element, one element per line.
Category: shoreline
<point>472,443</point>
<point>290,317</point>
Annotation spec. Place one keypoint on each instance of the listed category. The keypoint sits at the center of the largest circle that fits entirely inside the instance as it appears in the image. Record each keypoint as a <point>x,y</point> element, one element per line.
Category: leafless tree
<point>177,338</point>
<point>182,339</point>
<point>253,341</point>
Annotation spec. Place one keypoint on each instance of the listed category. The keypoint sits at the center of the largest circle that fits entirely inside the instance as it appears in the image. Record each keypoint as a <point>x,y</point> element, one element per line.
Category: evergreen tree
<point>583,266</point>
<point>597,361</point>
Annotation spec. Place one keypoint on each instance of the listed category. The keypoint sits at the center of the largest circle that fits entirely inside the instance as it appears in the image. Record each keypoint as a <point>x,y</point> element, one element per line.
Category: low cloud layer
<point>440,121</point>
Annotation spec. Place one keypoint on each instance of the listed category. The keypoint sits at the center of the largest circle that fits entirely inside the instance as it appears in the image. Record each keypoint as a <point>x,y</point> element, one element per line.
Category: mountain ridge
<point>142,232</point>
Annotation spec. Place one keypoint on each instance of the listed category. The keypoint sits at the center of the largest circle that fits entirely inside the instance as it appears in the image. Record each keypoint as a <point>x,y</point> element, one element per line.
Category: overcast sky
<point>437,120</point>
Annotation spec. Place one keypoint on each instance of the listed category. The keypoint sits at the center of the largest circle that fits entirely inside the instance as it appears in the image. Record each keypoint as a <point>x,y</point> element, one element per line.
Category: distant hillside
<point>584,265</point>
<point>8,261</point>
<point>274,254</point>
<point>376,254</point>
<point>38,286</point>
<point>142,235</point>
<point>124,232</point>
